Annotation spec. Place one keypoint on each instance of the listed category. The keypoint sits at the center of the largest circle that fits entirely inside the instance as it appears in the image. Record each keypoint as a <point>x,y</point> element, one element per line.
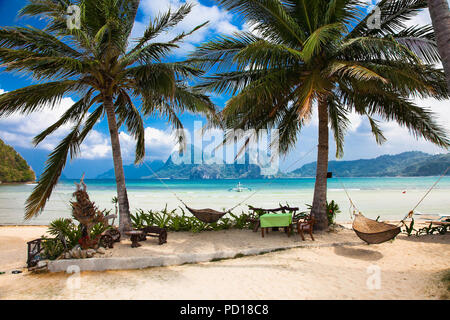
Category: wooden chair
<point>306,225</point>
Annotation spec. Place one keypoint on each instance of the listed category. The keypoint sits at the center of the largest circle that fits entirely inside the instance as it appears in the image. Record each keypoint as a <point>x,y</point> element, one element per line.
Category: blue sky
<point>18,130</point>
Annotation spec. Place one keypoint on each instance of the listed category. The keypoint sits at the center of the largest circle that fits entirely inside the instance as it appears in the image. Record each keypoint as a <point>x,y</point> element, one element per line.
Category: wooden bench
<point>156,232</point>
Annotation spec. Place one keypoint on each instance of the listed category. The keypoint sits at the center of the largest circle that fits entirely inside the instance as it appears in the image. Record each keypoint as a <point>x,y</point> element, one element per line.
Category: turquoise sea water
<point>390,198</point>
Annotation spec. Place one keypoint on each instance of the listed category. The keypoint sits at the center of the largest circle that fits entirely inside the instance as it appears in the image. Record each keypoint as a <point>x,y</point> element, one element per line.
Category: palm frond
<point>36,97</point>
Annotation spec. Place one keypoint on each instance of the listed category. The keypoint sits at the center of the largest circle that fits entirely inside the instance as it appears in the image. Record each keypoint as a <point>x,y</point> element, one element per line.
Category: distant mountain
<point>192,165</point>
<point>183,166</point>
<point>134,172</point>
<point>412,163</point>
<point>13,168</point>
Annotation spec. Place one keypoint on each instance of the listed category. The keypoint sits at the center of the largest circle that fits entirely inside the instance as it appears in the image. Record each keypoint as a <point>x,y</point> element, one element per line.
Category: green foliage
<point>430,229</point>
<point>13,168</point>
<point>64,228</point>
<point>173,221</point>
<point>97,229</point>
<point>409,229</point>
<point>332,210</point>
<point>52,248</point>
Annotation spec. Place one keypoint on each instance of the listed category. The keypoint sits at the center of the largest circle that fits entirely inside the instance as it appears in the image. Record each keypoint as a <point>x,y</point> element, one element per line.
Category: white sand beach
<point>410,268</point>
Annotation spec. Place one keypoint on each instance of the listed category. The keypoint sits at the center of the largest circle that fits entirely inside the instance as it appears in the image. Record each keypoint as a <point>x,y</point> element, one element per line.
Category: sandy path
<point>409,267</point>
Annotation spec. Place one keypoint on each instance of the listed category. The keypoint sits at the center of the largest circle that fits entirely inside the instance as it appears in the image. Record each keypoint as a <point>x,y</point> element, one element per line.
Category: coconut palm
<point>324,54</point>
<point>440,18</point>
<point>99,63</point>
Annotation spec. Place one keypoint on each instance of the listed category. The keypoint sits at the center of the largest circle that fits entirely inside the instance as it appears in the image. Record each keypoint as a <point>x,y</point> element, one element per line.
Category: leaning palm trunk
<point>440,17</point>
<point>124,207</point>
<point>319,208</point>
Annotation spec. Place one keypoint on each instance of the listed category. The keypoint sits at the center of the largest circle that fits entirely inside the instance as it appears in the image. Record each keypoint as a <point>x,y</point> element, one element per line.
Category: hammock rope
<point>373,231</point>
<point>426,194</point>
<point>208,211</point>
<point>410,213</point>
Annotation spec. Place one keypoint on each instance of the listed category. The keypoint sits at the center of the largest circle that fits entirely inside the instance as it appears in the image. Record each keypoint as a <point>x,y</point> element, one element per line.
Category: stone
<point>90,253</point>
<point>101,250</point>
<point>83,254</point>
<point>67,255</point>
<point>42,264</point>
<point>76,253</point>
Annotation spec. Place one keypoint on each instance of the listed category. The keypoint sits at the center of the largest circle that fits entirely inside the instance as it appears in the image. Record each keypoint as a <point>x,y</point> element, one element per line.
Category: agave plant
<point>325,55</point>
<point>108,71</point>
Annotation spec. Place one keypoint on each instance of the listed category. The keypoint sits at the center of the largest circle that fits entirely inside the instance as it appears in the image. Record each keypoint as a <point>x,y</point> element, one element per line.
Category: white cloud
<point>19,130</point>
<point>220,21</point>
<point>159,144</point>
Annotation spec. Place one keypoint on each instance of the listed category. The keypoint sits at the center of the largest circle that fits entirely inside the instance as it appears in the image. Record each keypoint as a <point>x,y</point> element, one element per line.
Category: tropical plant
<point>440,18</point>
<point>430,229</point>
<point>409,229</point>
<point>174,221</point>
<point>52,248</point>
<point>64,228</point>
<point>325,55</point>
<point>332,210</point>
<point>108,72</point>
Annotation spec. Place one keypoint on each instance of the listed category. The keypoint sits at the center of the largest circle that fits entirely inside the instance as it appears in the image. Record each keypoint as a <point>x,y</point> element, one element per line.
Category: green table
<point>270,220</point>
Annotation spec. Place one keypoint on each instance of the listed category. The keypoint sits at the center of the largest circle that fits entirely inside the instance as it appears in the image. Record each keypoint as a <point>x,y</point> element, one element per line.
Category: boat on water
<point>436,216</point>
<point>239,188</point>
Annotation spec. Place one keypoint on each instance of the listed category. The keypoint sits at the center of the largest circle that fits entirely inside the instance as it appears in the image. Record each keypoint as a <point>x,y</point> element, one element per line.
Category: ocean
<point>389,198</point>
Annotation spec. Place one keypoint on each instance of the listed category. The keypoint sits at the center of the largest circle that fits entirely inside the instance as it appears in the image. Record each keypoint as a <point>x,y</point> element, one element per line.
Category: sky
<point>18,130</point>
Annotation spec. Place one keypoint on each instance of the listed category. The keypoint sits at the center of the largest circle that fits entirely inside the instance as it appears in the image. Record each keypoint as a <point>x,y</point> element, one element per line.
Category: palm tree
<point>440,17</point>
<point>96,63</point>
<point>324,54</point>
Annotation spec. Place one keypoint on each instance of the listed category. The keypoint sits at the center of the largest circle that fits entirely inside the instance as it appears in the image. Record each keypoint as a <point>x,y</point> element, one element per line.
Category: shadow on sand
<point>427,238</point>
<point>360,254</point>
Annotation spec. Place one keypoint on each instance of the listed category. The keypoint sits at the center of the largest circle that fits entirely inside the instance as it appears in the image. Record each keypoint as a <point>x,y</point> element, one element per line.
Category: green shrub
<point>51,248</point>
<point>173,221</point>
<point>64,228</point>
<point>332,210</point>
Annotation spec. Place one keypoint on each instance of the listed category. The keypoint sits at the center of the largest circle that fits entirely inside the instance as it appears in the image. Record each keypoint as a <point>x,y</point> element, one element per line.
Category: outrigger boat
<point>239,188</point>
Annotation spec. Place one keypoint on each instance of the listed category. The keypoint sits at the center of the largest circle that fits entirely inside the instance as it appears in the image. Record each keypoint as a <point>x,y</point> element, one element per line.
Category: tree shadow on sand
<point>427,238</point>
<point>360,254</point>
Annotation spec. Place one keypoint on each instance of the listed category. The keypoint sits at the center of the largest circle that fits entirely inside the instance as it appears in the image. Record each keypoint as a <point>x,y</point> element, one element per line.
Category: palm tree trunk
<point>319,207</point>
<point>440,17</point>
<point>124,207</point>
